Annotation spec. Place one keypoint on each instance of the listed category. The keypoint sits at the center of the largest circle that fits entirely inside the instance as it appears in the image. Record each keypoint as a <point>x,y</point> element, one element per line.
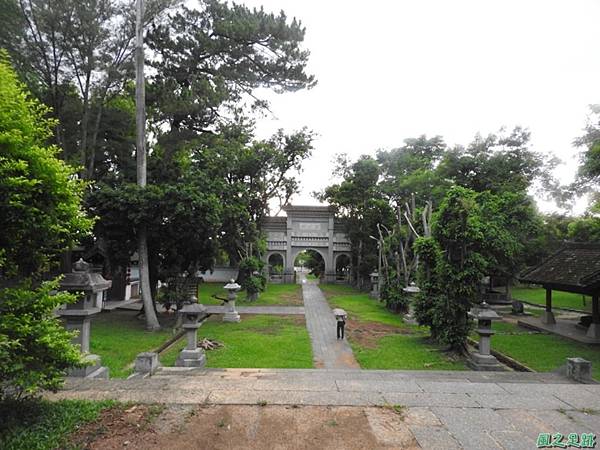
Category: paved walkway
<point>443,409</point>
<point>277,310</point>
<point>328,351</point>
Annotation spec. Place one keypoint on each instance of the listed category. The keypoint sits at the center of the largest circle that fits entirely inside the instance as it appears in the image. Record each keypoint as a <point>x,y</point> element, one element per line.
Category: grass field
<point>42,425</point>
<point>560,299</point>
<point>118,337</point>
<point>274,294</point>
<point>258,341</point>
<point>540,351</point>
<point>381,340</point>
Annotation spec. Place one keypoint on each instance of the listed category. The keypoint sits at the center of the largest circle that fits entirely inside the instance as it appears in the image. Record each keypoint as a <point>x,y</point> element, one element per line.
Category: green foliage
<point>428,251</point>
<point>44,425</point>
<point>35,348</point>
<point>393,296</point>
<point>313,261</point>
<point>585,229</point>
<point>39,195</point>
<point>251,274</point>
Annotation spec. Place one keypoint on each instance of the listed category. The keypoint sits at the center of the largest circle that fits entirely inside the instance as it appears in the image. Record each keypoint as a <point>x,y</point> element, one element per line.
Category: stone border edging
<point>505,359</point>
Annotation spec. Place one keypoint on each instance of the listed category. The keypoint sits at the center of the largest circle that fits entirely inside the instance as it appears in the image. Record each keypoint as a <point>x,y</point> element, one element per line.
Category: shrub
<point>35,349</point>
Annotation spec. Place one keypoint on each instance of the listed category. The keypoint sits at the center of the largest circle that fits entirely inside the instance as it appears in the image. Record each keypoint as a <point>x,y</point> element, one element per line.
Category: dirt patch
<point>251,427</point>
<point>116,426</point>
<point>367,334</point>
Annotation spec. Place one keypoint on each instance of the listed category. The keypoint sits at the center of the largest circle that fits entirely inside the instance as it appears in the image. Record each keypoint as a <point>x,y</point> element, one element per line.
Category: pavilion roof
<point>573,268</point>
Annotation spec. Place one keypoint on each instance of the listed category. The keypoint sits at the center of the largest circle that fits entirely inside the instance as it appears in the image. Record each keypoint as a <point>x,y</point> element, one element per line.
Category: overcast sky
<point>390,70</point>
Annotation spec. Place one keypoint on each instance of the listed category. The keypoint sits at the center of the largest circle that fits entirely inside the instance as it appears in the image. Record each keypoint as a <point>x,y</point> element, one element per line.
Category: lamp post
<point>231,315</point>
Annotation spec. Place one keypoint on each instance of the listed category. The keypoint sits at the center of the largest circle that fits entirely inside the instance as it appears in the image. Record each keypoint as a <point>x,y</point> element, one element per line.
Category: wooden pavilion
<point>573,268</point>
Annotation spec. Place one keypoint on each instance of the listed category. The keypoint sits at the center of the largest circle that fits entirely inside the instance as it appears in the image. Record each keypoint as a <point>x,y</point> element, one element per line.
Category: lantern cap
<point>412,288</point>
<point>82,279</point>
<point>484,312</point>
<point>232,285</point>
<point>193,308</point>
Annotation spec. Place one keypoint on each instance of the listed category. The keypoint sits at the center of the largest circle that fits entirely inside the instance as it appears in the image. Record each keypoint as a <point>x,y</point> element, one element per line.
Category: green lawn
<point>274,294</point>
<point>540,351</point>
<point>41,425</point>
<point>258,341</point>
<point>560,299</point>
<point>118,337</point>
<point>381,339</point>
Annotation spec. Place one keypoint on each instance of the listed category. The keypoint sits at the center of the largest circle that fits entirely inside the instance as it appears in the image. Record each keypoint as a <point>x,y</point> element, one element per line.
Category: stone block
<point>579,369</point>
<point>146,362</point>
<point>191,358</point>
<point>481,362</point>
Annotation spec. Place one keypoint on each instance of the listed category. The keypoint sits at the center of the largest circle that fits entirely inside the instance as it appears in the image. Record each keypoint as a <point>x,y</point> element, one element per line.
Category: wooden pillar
<point>548,315</point>
<point>594,328</point>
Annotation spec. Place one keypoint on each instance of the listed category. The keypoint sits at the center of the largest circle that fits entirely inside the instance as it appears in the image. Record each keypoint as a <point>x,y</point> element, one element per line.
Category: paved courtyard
<point>450,409</point>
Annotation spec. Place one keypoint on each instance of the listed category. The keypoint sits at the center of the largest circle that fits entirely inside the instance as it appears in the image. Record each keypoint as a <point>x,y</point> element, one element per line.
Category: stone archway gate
<point>306,227</point>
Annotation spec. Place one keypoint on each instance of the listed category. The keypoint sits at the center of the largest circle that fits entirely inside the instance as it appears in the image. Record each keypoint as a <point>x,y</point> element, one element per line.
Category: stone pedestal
<point>191,358</point>
<point>146,363</point>
<point>480,362</point>
<point>93,369</point>
<point>374,285</point>
<point>579,369</point>
<point>547,317</point>
<point>231,315</point>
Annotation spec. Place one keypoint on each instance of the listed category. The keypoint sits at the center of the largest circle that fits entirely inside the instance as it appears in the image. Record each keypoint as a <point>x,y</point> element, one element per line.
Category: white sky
<point>389,70</point>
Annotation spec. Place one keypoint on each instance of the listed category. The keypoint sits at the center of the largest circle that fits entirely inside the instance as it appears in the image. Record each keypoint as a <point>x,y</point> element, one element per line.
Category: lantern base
<point>480,362</point>
<point>94,369</point>
<point>231,317</point>
<point>191,358</point>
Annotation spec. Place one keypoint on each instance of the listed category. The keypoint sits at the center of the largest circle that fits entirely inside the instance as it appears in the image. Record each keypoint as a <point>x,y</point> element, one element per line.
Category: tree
<point>361,204</point>
<point>41,216</point>
<point>140,119</point>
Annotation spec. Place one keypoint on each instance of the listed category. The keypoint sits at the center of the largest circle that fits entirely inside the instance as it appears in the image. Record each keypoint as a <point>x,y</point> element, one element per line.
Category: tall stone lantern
<point>374,285</point>
<point>231,315</point>
<point>192,355</point>
<point>483,359</point>
<point>412,290</point>
<point>78,315</point>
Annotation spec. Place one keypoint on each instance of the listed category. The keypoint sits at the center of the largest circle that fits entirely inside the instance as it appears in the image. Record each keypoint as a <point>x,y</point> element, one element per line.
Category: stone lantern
<point>192,355</point>
<point>78,315</point>
<point>483,359</point>
<point>231,315</point>
<point>411,290</point>
<point>374,285</point>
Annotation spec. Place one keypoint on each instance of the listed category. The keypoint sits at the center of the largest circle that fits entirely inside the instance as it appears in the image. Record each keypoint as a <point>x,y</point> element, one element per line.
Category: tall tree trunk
<point>140,99</point>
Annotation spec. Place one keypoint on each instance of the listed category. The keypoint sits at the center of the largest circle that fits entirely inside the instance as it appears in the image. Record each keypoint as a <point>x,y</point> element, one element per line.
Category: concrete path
<point>442,409</point>
<point>328,351</point>
<point>277,310</point>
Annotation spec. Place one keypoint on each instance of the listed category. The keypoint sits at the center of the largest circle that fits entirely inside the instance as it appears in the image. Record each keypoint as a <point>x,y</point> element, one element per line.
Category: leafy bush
<point>40,200</point>
<point>393,296</point>
<point>35,349</point>
<point>251,276</point>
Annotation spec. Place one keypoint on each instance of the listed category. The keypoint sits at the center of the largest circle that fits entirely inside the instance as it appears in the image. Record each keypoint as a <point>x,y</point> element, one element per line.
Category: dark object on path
<point>340,317</point>
<point>517,307</point>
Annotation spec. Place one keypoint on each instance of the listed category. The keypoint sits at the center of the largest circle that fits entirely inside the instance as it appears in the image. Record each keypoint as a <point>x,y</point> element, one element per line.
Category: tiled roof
<point>575,265</point>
